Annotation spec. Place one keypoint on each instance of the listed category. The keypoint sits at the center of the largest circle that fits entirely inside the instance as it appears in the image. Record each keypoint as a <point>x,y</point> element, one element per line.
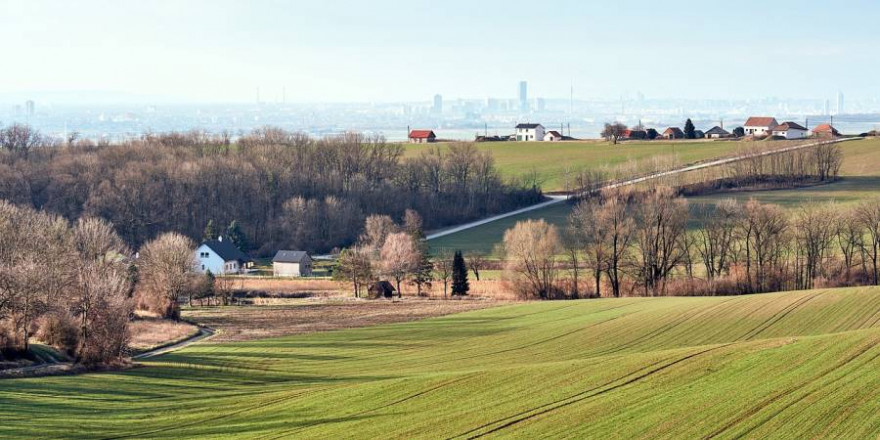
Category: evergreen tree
<point>210,233</point>
<point>460,284</point>
<point>235,235</point>
<point>689,130</point>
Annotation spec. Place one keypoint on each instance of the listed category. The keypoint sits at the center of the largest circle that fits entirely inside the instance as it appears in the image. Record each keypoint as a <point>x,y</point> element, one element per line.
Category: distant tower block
<point>524,95</point>
<point>438,104</point>
<point>30,108</point>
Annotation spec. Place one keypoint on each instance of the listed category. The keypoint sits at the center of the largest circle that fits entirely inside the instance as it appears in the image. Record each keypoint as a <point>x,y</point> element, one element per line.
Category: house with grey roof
<point>717,132</point>
<point>292,264</point>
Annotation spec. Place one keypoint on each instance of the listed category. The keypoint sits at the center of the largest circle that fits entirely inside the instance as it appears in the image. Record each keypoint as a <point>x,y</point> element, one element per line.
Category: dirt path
<point>204,333</point>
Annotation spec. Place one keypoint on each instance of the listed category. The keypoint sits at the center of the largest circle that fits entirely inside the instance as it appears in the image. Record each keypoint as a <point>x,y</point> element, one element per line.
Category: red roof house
<point>422,136</point>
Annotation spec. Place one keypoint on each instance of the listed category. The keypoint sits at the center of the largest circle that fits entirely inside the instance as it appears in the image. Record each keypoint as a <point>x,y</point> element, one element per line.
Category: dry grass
<point>290,317</point>
<point>280,286</point>
<point>147,333</point>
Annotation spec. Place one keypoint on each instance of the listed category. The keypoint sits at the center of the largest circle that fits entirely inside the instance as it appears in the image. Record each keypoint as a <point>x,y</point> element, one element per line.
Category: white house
<point>790,130</point>
<point>529,133</point>
<point>292,264</point>
<point>552,136</point>
<point>760,126</point>
<point>221,257</point>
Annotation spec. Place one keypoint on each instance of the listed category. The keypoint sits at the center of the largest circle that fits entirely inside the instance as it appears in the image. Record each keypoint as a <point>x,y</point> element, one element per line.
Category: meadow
<point>860,180</point>
<point>785,365</point>
<point>550,161</point>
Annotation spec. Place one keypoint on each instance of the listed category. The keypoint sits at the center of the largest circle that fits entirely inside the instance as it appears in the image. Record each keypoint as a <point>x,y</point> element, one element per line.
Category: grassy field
<point>860,181</point>
<point>551,160</point>
<point>788,365</point>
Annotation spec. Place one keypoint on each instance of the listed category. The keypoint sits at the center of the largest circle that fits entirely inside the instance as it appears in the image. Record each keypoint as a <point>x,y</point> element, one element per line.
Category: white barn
<point>292,264</point>
<point>790,130</point>
<point>530,133</point>
<point>552,136</point>
<point>221,257</point>
<point>760,126</point>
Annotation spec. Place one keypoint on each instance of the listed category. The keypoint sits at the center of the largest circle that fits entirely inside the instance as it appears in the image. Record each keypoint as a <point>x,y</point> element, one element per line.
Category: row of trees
<point>284,189</point>
<point>640,244</point>
<point>400,253</point>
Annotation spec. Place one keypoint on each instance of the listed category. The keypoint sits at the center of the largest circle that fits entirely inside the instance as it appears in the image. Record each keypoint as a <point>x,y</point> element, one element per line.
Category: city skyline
<point>219,52</point>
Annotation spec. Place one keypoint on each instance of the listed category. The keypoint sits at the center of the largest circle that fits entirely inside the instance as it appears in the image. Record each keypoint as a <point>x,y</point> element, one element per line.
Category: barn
<point>292,264</point>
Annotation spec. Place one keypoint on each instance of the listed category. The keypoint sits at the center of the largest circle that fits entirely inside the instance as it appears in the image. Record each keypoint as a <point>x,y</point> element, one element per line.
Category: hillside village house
<point>673,133</point>
<point>422,137</point>
<point>825,131</point>
<point>717,132</point>
<point>221,257</point>
<point>529,133</point>
<point>760,126</point>
<point>552,136</point>
<point>292,264</point>
<point>790,130</point>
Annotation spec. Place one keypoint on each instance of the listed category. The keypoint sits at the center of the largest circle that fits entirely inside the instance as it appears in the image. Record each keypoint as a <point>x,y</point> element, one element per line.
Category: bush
<point>60,331</point>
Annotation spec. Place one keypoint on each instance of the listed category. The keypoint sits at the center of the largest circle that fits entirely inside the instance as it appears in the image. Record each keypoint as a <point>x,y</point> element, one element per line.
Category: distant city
<point>452,119</point>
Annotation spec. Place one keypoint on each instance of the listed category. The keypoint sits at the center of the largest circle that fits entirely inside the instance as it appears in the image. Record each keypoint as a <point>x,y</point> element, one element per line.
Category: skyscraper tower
<point>839,102</point>
<point>30,108</point>
<point>438,104</point>
<point>524,96</point>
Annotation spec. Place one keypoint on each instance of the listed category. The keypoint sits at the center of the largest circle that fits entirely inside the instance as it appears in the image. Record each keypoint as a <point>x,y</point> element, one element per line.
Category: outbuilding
<point>790,130</point>
<point>673,133</point>
<point>825,131</point>
<point>717,132</point>
<point>292,264</point>
<point>422,137</point>
<point>552,136</point>
<point>381,289</point>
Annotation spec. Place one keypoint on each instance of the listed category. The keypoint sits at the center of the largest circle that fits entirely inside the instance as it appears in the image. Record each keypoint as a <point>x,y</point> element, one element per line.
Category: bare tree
<point>717,238</point>
<point>399,257</point>
<point>814,233</point>
<point>531,247</point>
<point>763,228</point>
<point>584,222</point>
<point>443,269</point>
<point>356,267</point>
<point>615,220</point>
<point>849,235</point>
<point>613,131</point>
<point>662,221</point>
<point>868,217</point>
<point>476,261</point>
<point>165,266</point>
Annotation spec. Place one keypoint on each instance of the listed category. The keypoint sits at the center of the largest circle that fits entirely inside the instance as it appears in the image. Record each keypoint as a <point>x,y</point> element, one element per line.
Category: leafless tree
<point>399,258</point>
<point>764,228</point>
<point>476,261</point>
<point>717,238</point>
<point>662,221</point>
<point>613,131</point>
<point>814,228</point>
<point>355,265</point>
<point>849,235</point>
<point>868,216</point>
<point>443,269</point>
<point>616,221</point>
<point>165,266</point>
<point>531,247</point>
<point>584,222</point>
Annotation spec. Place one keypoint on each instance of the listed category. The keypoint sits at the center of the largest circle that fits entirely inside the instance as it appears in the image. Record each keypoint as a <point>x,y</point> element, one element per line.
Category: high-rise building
<point>839,103</point>
<point>30,108</point>
<point>438,104</point>
<point>524,96</point>
<point>541,104</point>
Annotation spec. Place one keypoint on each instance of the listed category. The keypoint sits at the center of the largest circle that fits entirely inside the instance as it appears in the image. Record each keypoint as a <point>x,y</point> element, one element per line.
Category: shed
<point>381,289</point>
<point>422,137</point>
<point>292,264</point>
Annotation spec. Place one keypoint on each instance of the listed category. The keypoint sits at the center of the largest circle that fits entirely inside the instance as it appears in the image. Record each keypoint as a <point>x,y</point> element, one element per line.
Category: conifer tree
<point>690,132</point>
<point>460,284</point>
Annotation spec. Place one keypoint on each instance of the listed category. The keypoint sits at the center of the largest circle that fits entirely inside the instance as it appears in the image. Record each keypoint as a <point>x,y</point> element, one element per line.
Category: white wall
<point>530,135</point>
<point>209,260</point>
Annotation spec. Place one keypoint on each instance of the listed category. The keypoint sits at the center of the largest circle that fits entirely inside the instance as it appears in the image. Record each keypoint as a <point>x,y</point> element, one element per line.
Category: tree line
<point>639,243</point>
<point>284,189</point>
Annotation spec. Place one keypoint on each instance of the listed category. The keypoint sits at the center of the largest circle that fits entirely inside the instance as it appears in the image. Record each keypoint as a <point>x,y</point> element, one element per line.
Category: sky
<point>408,50</point>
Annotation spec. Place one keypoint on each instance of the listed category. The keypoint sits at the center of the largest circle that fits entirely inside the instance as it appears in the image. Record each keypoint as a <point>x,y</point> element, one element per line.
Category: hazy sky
<point>389,50</point>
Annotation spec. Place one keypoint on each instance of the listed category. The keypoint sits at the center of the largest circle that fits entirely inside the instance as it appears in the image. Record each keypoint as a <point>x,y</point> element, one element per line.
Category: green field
<point>860,180</point>
<point>788,365</point>
<point>551,160</point>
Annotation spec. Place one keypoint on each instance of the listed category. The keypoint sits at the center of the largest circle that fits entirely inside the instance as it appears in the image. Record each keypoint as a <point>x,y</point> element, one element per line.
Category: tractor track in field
<point>661,330</point>
<point>787,392</point>
<point>581,396</point>
<point>257,406</point>
<point>373,410</point>
<point>778,316</point>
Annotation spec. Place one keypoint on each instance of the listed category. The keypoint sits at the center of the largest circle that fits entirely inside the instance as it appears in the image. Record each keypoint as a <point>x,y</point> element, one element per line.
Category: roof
<point>785,126</point>
<point>674,130</point>
<point>554,133</point>
<point>761,121</point>
<point>226,250</point>
<point>528,126</point>
<point>824,128</point>
<point>717,130</point>
<point>290,256</point>
<point>421,134</point>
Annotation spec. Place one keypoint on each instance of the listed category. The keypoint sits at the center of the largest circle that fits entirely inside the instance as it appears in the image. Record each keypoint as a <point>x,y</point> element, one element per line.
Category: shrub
<point>59,330</point>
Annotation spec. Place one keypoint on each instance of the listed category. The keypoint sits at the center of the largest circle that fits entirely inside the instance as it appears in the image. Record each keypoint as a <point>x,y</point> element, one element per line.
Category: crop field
<point>551,160</point>
<point>785,365</point>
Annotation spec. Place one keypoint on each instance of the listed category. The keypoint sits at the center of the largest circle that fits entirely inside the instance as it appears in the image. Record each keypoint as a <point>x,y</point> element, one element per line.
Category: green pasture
<point>785,365</point>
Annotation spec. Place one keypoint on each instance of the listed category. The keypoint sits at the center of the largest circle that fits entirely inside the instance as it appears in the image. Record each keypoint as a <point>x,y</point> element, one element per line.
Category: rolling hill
<point>785,365</point>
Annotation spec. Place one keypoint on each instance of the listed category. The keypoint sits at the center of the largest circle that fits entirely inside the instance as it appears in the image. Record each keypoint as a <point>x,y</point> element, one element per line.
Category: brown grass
<point>147,333</point>
<point>289,317</point>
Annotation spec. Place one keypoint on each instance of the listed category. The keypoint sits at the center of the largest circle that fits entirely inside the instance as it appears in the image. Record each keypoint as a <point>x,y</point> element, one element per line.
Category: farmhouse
<point>381,289</point>
<point>552,136</point>
<point>825,131</point>
<point>717,132</point>
<point>221,257</point>
<point>634,133</point>
<point>422,137</point>
<point>673,133</point>
<point>760,125</point>
<point>529,133</point>
<point>790,130</point>
<point>291,264</point>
